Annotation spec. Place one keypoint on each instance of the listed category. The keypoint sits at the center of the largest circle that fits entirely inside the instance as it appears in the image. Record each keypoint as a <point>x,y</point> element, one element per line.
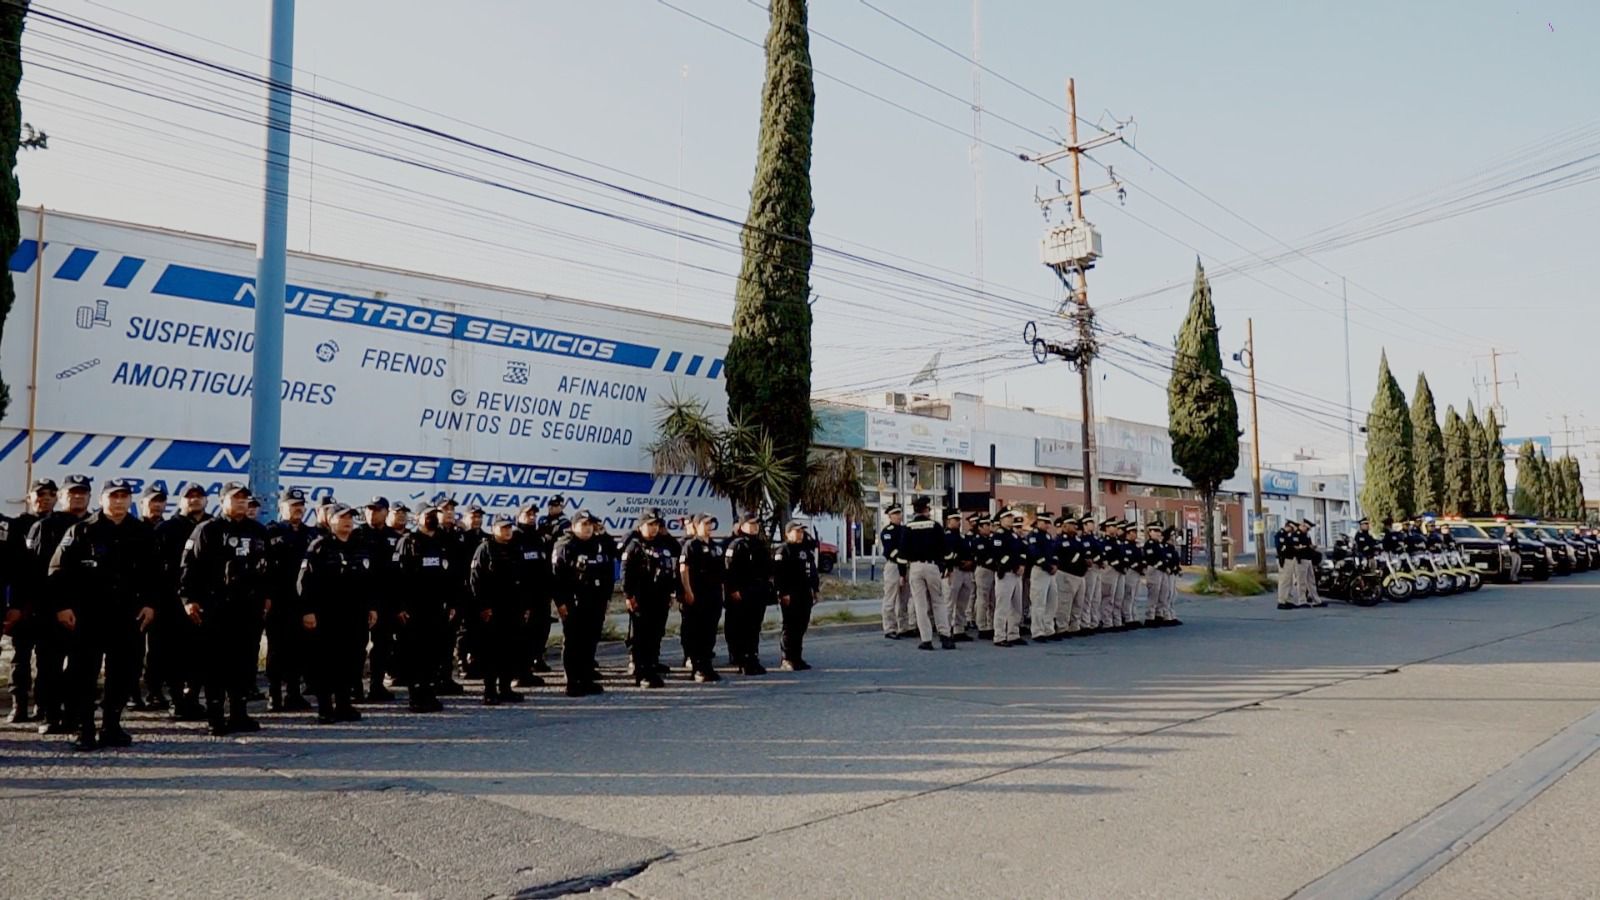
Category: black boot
<point>19,709</point>
<point>113,735</point>
<point>85,741</point>
<point>275,697</point>
<point>217,721</point>
<point>295,701</point>
<point>491,696</point>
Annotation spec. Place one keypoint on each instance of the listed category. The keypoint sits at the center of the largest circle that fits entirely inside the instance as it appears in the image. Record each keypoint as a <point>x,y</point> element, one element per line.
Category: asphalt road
<point>1441,749</point>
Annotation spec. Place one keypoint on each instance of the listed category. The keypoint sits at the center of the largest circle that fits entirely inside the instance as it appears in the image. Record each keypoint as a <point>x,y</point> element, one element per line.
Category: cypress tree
<point>1581,513</point>
<point>1542,489</point>
<point>1202,413</point>
<point>1427,452</point>
<point>1495,464</point>
<point>769,356</point>
<point>12,16</point>
<point>1526,500</point>
<point>1388,487</point>
<point>1458,497</point>
<point>1482,499</point>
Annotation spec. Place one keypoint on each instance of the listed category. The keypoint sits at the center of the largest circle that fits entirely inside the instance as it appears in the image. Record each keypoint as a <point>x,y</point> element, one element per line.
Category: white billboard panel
<point>395,383</point>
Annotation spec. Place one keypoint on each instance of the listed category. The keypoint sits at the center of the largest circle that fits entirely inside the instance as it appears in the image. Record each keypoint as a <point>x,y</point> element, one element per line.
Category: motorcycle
<point>1348,577</point>
<point>1470,576</point>
<point>1446,580</point>
<point>1423,574</point>
<point>1395,577</point>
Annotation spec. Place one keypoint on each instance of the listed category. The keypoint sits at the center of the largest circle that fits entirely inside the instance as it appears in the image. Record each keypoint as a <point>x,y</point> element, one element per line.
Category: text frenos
<point>403,363</point>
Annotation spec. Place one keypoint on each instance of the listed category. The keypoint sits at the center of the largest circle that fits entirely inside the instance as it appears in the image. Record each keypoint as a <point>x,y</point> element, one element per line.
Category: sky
<point>1297,138</point>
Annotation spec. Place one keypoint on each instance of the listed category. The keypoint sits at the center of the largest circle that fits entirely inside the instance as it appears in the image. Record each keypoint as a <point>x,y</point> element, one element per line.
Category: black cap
<point>793,524</point>
<point>556,499</point>
<point>1153,526</point>
<point>400,507</point>
<point>983,520</point>
<point>893,508</point>
<point>1109,523</point>
<point>378,503</point>
<point>530,507</point>
<point>232,488</point>
<point>151,492</point>
<point>326,501</point>
<point>503,519</point>
<point>475,509</point>
<point>650,515</point>
<point>1364,521</point>
<point>583,515</point>
<point>953,514</point>
<point>293,495</point>
<point>339,509</point>
<point>749,517</point>
<point>443,500</point>
<point>194,487</point>
<point>41,485</point>
<point>78,482</point>
<point>921,503</point>
<point>1308,522</point>
<point>117,486</point>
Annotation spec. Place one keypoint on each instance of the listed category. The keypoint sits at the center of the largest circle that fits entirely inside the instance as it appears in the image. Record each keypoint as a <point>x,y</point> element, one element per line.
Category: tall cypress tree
<point>1202,413</point>
<point>1388,487</point>
<point>769,356</point>
<point>1582,506</point>
<point>1482,499</point>
<point>1542,489</point>
<point>1525,502</point>
<point>1427,451</point>
<point>1495,464</point>
<point>1458,498</point>
<point>1561,475</point>
<point>12,16</point>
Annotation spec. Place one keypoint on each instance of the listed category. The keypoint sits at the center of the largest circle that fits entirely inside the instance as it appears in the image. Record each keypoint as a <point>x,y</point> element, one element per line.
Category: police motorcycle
<point>1349,577</point>
<point>1447,580</point>
<point>1466,573</point>
<point>1394,569</point>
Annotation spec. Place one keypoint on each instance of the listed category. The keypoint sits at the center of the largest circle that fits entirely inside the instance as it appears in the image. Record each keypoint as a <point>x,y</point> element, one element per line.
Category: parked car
<point>1484,552</point>
<point>1537,560</point>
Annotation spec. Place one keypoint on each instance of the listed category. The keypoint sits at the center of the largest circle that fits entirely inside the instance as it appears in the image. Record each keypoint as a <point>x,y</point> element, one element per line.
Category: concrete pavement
<point>1250,753</point>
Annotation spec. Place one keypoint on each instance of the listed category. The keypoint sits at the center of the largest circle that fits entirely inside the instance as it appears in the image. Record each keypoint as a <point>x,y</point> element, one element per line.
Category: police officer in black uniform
<point>337,606</point>
<point>554,523</point>
<point>701,597</point>
<point>581,568</point>
<point>747,589</point>
<point>51,639</point>
<point>151,509</point>
<point>23,627</point>
<point>497,582</point>
<point>649,584</point>
<point>1366,544</point>
<point>467,535</point>
<point>176,639</point>
<point>535,545</point>
<point>287,540</point>
<point>428,591</point>
<point>794,581</point>
<point>99,579</point>
<point>223,589</point>
<point>377,543</point>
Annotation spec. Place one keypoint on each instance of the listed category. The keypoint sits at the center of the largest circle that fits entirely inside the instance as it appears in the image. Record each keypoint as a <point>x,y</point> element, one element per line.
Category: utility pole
<point>1349,405</point>
<point>1494,381</point>
<point>266,364</point>
<point>1070,250</point>
<point>1248,358</point>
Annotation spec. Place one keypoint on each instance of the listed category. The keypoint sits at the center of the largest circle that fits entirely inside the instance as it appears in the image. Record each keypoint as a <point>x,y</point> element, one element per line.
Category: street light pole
<point>266,405</point>
<point>1349,405</point>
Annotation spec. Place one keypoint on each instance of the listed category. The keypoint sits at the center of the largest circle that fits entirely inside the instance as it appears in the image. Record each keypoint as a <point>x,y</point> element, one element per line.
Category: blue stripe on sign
<point>76,449</point>
<point>76,263</point>
<point>110,448</point>
<point>44,447</point>
<point>694,365</point>
<point>122,275</point>
<point>26,254</point>
<point>673,359</point>
<point>138,450</point>
<point>11,445</point>
<point>715,370</point>
<point>373,312</point>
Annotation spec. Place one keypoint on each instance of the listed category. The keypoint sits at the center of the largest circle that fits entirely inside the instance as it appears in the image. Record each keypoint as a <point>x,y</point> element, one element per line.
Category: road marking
<point>1404,860</point>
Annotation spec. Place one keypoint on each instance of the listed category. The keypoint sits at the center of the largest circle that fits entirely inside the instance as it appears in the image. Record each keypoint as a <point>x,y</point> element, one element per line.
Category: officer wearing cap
<point>1152,556</point>
<point>1095,546</point>
<point>223,589</point>
<point>377,543</point>
<point>1366,543</point>
<point>466,537</point>
<point>1283,546</point>
<point>151,507</point>
<point>922,549</point>
<point>1133,575</point>
<point>747,588</point>
<point>99,581</point>
<point>24,628</point>
<point>287,540</point>
<point>896,586</point>
<point>649,584</point>
<point>337,606</point>
<point>1011,560</point>
<point>536,546</point>
<point>499,592</point>
<point>1114,554</point>
<point>700,574</point>
<point>959,562</point>
<point>1044,602</point>
<point>1072,564</point>
<point>795,582</point>
<point>51,642</point>
<point>554,523</point>
<point>1307,557</point>
<point>426,610</point>
<point>581,569</point>
<point>986,546</point>
<point>174,639</point>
